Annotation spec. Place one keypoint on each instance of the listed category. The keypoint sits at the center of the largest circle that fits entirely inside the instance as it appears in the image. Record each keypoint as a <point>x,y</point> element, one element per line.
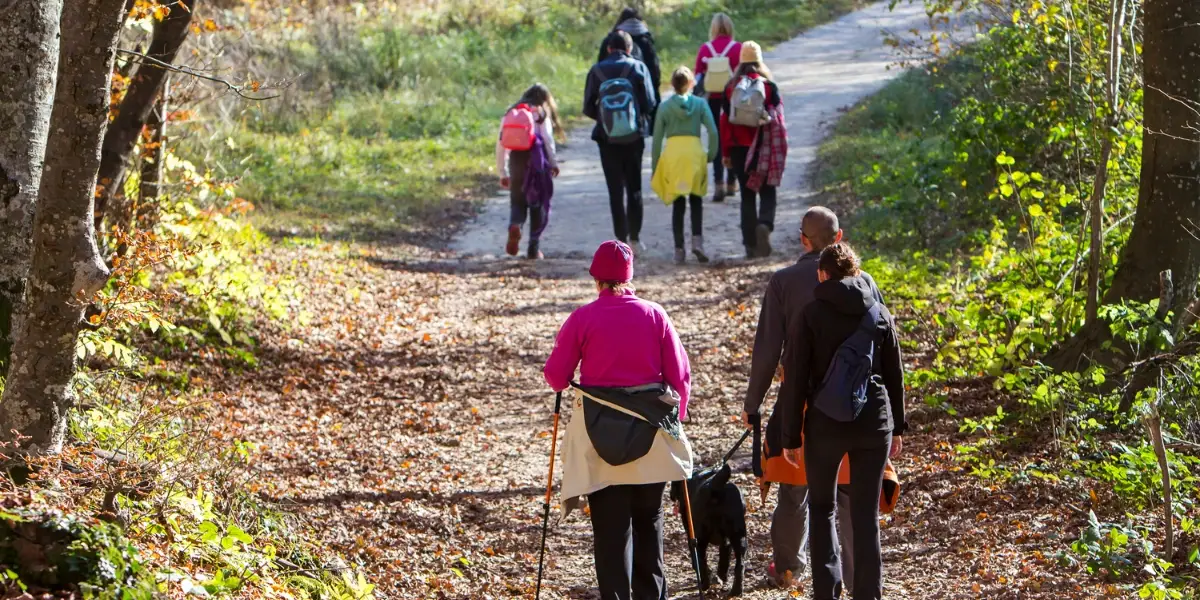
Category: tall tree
<point>169,36</point>
<point>67,267</point>
<point>29,51</point>
<point>1166,229</point>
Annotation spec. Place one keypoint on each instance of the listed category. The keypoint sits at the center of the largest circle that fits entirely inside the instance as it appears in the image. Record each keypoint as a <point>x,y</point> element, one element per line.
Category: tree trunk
<point>1167,222</point>
<point>66,269</point>
<point>122,136</point>
<point>29,48</point>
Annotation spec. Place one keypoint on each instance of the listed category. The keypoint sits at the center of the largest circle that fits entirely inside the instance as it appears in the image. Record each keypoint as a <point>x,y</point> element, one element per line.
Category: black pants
<point>753,211</point>
<point>678,207</point>
<point>518,208</point>
<point>825,443</point>
<point>720,176</point>
<point>622,164</point>
<point>627,524</point>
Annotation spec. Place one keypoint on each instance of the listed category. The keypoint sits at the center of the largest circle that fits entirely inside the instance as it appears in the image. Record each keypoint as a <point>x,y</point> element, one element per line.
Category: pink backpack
<point>517,130</point>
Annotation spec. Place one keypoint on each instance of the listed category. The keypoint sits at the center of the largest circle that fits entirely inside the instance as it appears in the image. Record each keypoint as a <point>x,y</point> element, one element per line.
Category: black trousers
<point>720,176</point>
<point>757,207</point>
<point>825,443</point>
<point>518,209</point>
<point>627,524</point>
<point>622,164</point>
<point>678,207</point>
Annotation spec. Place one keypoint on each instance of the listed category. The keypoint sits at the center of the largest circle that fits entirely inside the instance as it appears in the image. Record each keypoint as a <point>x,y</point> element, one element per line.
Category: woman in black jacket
<point>843,303</point>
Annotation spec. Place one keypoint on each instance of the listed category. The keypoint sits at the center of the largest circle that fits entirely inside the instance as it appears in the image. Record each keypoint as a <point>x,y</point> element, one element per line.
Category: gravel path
<point>821,71</point>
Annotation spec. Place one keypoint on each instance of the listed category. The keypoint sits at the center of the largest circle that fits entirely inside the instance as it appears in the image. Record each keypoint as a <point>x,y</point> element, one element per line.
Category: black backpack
<point>843,392</point>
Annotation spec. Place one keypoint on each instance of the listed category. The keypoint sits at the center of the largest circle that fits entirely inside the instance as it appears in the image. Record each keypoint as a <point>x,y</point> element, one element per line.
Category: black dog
<point>719,517</point>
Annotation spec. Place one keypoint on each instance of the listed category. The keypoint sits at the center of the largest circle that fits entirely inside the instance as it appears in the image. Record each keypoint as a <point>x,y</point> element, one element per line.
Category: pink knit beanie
<point>613,261</point>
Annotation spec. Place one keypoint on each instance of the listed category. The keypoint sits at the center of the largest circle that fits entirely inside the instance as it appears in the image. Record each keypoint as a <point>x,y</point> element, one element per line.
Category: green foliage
<point>397,111</point>
<point>57,550</point>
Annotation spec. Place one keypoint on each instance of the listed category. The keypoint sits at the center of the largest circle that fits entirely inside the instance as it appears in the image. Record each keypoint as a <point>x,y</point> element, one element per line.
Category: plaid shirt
<point>770,150</point>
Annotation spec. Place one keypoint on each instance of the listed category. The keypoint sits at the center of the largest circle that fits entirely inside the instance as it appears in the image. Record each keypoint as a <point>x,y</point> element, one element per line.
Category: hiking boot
<point>534,253</point>
<point>719,192</point>
<point>731,188</point>
<point>680,256</point>
<point>698,248</point>
<point>762,236</point>
<point>637,246</point>
<point>514,240</point>
<point>751,253</point>
<point>783,581</point>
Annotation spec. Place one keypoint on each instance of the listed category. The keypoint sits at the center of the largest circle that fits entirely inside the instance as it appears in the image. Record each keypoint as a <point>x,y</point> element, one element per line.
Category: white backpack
<point>747,103</point>
<point>718,71</point>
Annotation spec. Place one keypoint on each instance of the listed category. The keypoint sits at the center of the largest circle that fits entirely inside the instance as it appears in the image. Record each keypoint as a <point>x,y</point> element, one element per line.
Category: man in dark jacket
<point>622,159</point>
<point>643,49</point>
<point>789,291</point>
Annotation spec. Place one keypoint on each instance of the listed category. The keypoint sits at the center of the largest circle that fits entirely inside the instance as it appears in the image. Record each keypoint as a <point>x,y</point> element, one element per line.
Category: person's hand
<point>728,162</point>
<point>746,420</point>
<point>504,182</point>
<point>897,445</point>
<point>793,456</point>
<point>554,172</point>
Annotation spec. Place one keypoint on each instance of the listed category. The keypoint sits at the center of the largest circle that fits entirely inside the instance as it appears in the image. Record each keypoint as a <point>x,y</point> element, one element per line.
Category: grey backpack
<point>747,102</point>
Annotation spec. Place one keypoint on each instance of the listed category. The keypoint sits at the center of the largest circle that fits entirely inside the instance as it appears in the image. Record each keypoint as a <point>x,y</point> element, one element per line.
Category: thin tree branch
<point>237,89</point>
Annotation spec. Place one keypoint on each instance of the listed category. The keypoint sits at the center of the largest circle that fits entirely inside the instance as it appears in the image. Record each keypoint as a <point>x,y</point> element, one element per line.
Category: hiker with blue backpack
<point>527,163</point>
<point>754,145</point>
<point>681,169</point>
<point>716,61</point>
<point>847,397</point>
<point>620,97</point>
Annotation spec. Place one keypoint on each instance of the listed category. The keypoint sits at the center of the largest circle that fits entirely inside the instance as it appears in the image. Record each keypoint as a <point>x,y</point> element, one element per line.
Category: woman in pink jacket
<point>630,361</point>
<point>724,54</point>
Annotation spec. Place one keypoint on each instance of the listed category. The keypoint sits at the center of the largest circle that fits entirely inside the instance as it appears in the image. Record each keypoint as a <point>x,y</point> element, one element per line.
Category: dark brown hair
<point>839,261</point>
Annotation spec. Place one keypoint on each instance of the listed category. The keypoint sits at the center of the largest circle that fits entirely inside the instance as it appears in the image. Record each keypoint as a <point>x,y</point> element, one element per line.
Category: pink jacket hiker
<point>720,43</point>
<point>620,341</point>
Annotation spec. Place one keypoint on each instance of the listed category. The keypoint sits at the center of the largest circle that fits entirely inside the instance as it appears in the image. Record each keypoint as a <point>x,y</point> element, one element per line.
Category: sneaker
<point>680,256</point>
<point>698,249</point>
<point>783,581</point>
<point>763,240</point>
<point>534,253</point>
<point>514,240</point>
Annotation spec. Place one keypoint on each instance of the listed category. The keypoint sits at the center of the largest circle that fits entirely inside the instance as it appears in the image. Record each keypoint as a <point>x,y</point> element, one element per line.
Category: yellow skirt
<point>682,169</point>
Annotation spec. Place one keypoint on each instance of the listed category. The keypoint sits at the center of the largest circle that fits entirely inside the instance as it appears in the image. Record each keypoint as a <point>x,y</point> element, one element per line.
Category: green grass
<point>395,121</point>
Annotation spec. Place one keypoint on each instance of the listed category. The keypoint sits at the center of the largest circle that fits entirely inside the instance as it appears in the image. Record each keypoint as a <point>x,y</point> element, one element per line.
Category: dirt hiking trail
<point>410,423</point>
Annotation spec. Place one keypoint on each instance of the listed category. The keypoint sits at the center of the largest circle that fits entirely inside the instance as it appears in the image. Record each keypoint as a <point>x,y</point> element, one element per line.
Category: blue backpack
<point>843,392</point>
<point>618,110</point>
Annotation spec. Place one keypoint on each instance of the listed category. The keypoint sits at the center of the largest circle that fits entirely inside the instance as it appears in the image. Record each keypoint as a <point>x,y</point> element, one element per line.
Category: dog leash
<point>736,445</point>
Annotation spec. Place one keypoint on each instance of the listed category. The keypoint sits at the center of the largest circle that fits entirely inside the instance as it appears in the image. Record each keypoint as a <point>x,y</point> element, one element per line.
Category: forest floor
<point>410,424</point>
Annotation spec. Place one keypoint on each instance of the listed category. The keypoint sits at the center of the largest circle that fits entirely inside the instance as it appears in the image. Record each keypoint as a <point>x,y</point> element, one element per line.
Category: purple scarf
<point>539,183</point>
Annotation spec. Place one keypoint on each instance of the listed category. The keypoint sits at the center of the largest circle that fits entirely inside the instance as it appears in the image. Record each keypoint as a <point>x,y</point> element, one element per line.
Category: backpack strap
<point>723,52</point>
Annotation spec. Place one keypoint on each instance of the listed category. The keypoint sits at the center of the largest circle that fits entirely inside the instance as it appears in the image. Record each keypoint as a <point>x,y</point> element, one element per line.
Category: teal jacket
<point>684,115</point>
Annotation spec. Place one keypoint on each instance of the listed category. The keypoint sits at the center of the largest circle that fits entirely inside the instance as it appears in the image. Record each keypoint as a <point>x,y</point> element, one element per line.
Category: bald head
<point>821,228</point>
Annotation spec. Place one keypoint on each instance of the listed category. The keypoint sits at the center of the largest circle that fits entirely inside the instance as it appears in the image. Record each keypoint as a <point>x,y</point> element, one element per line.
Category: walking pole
<point>549,490</point>
<point>691,533</point>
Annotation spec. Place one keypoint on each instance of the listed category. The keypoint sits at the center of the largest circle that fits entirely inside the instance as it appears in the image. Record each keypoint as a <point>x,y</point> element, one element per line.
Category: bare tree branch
<point>237,89</point>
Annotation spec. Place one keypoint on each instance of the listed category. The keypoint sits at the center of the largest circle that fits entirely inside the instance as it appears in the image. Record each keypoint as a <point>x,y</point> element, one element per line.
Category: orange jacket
<point>778,470</point>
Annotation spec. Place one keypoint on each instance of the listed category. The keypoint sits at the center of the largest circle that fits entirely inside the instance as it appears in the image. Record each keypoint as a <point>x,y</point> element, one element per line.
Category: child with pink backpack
<point>527,164</point>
